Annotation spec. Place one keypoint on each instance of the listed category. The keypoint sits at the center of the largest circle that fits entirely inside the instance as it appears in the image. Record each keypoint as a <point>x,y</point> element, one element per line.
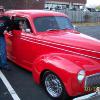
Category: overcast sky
<point>92,3</point>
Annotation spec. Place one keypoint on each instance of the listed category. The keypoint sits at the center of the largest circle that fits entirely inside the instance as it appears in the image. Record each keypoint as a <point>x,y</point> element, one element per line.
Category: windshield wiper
<point>52,29</point>
<point>66,29</point>
<point>58,29</point>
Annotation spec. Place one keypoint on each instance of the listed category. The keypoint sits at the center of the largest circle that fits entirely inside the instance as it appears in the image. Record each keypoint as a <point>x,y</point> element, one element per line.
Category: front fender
<point>63,65</point>
<point>64,62</point>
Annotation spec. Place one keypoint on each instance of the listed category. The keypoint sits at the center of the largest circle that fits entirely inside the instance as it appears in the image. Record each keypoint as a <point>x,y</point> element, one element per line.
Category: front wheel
<point>54,86</point>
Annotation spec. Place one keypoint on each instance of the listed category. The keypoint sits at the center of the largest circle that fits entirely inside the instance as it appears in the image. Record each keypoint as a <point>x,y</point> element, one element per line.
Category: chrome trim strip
<point>61,44</point>
<point>62,49</point>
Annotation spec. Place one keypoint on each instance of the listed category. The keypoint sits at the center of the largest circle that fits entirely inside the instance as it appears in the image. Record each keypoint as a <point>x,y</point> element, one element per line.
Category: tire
<point>53,86</point>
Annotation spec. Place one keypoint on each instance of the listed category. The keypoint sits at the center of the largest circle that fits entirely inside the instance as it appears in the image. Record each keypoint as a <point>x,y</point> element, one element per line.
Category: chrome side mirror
<point>75,27</point>
<point>27,30</point>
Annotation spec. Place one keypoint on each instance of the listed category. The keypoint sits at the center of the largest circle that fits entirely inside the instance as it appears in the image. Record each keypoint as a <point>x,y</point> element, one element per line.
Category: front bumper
<point>92,96</point>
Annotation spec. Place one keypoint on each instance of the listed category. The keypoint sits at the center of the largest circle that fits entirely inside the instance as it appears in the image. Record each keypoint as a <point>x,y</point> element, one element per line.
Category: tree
<point>98,7</point>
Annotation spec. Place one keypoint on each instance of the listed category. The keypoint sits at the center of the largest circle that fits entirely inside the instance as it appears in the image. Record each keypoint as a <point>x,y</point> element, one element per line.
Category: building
<point>41,4</point>
<point>64,4</point>
<point>22,4</point>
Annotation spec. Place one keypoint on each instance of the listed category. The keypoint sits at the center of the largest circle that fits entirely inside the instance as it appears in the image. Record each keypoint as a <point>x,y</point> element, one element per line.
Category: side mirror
<point>75,27</point>
<point>27,30</point>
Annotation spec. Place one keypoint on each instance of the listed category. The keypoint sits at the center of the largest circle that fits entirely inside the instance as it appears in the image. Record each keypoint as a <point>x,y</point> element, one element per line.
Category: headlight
<point>81,75</point>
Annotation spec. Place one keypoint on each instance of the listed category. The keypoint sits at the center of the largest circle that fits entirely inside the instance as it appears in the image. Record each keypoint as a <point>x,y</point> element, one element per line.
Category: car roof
<point>34,13</point>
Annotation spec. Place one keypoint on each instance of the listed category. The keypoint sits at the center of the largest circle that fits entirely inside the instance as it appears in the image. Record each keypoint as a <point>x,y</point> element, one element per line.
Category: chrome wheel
<point>53,85</point>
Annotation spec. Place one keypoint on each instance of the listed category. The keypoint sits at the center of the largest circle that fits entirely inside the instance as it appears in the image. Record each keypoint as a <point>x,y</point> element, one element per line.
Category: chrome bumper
<point>92,96</point>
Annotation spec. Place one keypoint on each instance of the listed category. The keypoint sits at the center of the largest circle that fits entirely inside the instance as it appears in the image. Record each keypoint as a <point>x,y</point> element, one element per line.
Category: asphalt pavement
<point>22,81</point>
<point>93,31</point>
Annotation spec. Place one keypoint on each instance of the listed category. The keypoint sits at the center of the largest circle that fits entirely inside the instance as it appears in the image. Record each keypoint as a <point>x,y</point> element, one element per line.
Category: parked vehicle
<point>65,61</point>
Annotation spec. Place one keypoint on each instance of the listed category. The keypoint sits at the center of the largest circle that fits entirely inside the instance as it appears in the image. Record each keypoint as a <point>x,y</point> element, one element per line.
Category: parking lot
<point>93,31</point>
<point>22,82</point>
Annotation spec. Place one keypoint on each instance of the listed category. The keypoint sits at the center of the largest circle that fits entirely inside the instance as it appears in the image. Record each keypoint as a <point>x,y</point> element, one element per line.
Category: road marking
<point>9,87</point>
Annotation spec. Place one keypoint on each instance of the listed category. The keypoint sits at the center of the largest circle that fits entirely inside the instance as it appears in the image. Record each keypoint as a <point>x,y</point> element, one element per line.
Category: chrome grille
<point>93,80</point>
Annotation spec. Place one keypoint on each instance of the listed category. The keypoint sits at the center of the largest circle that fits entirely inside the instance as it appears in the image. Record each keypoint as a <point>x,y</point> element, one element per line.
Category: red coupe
<point>64,60</point>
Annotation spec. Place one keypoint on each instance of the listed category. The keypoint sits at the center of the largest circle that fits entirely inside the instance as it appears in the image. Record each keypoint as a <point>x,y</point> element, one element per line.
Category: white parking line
<point>9,87</point>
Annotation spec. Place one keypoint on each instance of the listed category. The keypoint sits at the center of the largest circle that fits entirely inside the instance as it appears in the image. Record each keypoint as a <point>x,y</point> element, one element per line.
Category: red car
<point>65,61</point>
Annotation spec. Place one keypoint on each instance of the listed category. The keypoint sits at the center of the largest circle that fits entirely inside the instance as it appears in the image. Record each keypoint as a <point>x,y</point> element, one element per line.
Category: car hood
<point>74,41</point>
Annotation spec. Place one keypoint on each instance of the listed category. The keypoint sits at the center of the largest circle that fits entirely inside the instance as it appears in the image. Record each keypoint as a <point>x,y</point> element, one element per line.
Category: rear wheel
<point>54,86</point>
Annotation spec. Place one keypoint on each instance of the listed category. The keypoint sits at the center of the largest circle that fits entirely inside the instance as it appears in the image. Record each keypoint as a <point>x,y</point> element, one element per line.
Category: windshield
<point>52,23</point>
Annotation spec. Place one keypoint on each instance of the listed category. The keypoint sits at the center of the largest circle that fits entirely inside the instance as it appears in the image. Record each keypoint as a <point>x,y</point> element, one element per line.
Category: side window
<point>15,21</point>
<point>20,23</point>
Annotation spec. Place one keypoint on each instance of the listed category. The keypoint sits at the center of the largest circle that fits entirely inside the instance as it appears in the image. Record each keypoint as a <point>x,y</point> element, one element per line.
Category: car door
<point>23,45</point>
<point>13,40</point>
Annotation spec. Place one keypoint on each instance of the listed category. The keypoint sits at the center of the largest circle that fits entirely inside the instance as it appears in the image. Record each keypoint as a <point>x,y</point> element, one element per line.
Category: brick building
<point>23,4</point>
<point>41,4</point>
